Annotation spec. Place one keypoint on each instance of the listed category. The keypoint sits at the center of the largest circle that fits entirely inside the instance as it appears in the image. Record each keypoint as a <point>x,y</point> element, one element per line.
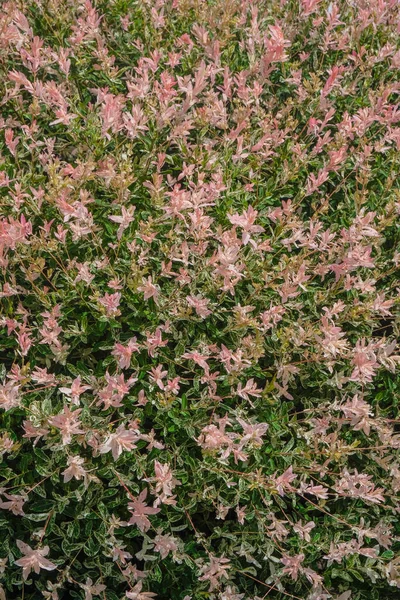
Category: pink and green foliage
<point>199,288</point>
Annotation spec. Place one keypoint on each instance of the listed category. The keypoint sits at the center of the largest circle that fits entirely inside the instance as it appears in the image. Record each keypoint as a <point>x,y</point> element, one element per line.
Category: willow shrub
<point>199,256</point>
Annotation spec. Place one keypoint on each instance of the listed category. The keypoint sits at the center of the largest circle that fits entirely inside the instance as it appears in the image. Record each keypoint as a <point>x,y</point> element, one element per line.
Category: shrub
<point>199,253</point>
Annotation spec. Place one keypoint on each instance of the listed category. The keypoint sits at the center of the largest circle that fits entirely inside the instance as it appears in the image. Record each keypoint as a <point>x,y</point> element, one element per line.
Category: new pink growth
<point>140,512</point>
<point>68,423</point>
<point>165,482</point>
<point>246,223</point>
<point>200,305</point>
<point>75,391</point>
<point>111,303</point>
<point>123,353</point>
<point>33,560</point>
<point>124,220</point>
<point>74,469</point>
<point>359,413</point>
<point>215,570</point>
<point>123,440</point>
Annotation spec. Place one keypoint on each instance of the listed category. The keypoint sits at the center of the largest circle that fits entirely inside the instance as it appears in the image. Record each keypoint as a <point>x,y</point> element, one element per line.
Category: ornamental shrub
<point>199,257</point>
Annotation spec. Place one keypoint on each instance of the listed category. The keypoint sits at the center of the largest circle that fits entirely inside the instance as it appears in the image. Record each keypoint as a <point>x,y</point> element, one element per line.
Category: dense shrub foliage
<point>199,256</point>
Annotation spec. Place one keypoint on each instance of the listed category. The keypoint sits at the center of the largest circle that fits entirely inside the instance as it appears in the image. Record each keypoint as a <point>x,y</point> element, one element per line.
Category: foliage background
<point>199,253</point>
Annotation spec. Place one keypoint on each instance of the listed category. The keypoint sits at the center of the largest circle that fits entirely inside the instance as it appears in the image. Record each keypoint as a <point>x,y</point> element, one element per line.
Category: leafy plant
<point>199,255</point>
